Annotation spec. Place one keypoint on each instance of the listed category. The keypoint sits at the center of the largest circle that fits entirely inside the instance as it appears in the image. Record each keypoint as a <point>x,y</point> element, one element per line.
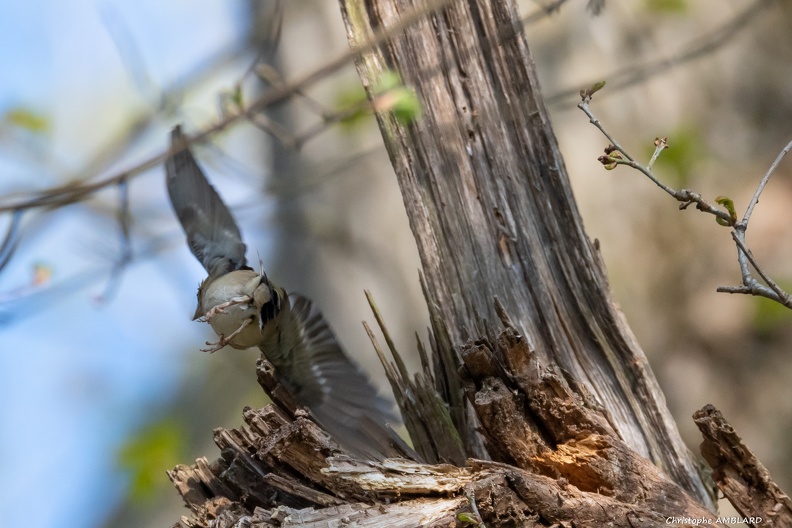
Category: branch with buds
<point>616,155</point>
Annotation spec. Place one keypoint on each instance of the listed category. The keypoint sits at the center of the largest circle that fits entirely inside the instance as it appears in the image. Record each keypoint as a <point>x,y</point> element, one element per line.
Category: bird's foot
<point>221,308</point>
<point>223,341</point>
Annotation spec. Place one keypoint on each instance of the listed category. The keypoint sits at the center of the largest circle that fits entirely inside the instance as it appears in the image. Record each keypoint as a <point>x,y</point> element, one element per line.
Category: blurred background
<point>102,382</point>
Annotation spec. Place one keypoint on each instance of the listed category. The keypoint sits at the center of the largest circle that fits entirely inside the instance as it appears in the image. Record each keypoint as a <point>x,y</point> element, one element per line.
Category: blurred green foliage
<point>145,457</point>
<point>351,101</point>
<point>770,316</point>
<point>390,95</point>
<point>667,6</point>
<point>676,163</point>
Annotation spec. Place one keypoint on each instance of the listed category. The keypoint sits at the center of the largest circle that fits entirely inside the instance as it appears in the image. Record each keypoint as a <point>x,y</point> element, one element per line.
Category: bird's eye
<point>276,301</point>
<point>271,308</point>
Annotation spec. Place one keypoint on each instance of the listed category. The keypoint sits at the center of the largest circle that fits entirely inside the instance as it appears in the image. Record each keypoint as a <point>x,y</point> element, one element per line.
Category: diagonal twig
<point>615,155</point>
<point>77,191</point>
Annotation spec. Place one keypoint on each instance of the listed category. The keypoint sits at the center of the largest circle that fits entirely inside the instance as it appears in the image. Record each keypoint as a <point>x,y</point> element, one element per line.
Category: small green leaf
<point>729,205</point>
<point>27,119</point>
<point>236,96</point>
<point>608,162</point>
<point>389,95</point>
<point>393,96</point>
<point>596,87</point>
<point>467,518</point>
<point>586,93</point>
<point>611,158</point>
<point>406,107</point>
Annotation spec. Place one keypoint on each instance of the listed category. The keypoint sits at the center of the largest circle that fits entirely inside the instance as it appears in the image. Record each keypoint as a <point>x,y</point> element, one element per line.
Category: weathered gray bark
<point>490,205</point>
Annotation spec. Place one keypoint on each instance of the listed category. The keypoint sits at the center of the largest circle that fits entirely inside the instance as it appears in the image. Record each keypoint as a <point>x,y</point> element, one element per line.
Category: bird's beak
<point>199,311</point>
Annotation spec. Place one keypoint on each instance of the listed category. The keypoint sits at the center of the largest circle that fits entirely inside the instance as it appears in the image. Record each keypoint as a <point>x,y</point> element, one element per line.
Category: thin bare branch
<point>543,12</point>
<point>11,238</point>
<point>615,155</point>
<point>274,129</point>
<point>750,285</point>
<point>744,256</point>
<point>684,196</point>
<point>700,47</point>
<point>125,256</point>
<point>763,183</point>
<point>76,191</point>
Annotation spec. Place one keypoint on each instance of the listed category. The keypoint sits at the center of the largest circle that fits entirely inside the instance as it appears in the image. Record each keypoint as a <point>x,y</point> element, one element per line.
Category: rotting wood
<point>281,469</point>
<point>738,474</point>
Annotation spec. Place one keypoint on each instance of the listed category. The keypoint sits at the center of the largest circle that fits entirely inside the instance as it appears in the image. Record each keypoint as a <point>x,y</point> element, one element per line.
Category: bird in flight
<point>245,309</point>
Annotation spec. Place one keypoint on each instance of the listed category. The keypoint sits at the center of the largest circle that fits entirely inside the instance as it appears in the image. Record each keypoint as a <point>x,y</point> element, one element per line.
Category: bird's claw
<point>223,341</point>
<point>214,346</point>
<point>220,308</point>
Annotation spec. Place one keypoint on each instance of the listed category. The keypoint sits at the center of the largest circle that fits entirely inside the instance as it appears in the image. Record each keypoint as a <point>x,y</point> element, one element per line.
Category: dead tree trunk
<point>490,204</point>
<point>555,418</point>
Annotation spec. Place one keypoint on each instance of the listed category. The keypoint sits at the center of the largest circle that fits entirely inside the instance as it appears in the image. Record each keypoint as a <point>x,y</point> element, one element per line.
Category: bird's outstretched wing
<point>212,234</point>
<point>310,362</point>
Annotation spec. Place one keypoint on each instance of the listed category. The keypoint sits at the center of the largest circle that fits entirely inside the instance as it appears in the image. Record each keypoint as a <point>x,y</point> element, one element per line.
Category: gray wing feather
<point>212,234</point>
<point>323,379</point>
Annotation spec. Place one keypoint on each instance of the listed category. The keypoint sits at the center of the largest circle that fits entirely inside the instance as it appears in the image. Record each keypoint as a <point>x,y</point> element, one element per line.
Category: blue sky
<point>78,376</point>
